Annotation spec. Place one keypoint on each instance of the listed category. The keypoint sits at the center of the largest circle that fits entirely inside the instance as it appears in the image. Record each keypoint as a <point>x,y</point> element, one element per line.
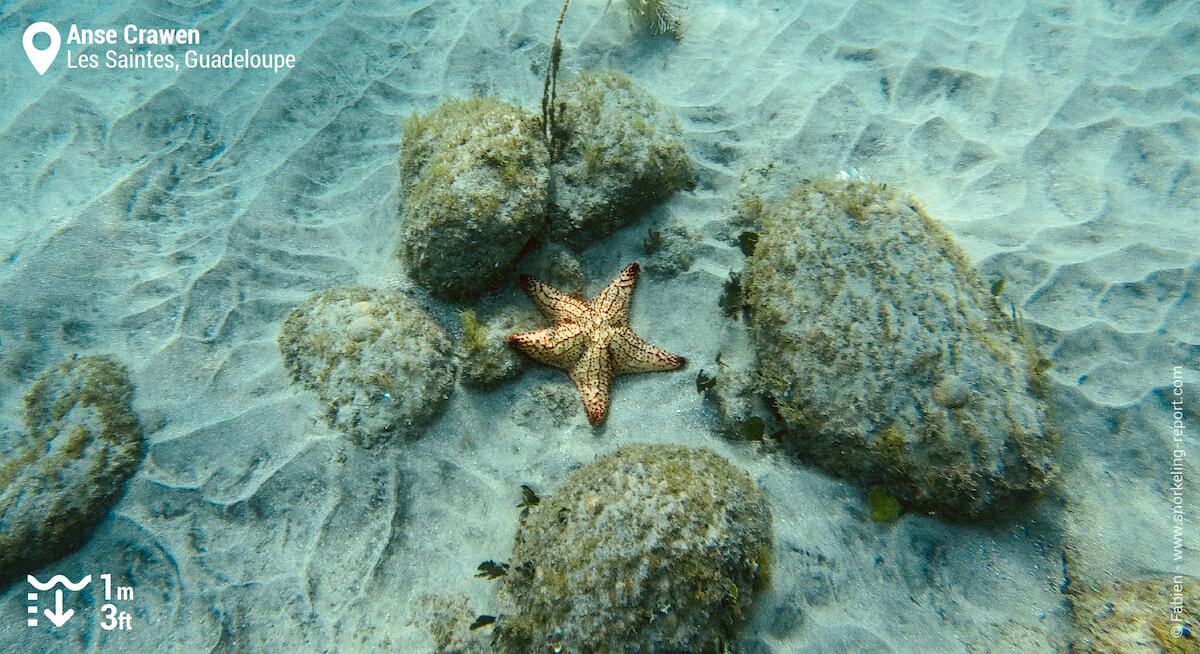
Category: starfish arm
<point>632,354</point>
<point>613,302</point>
<point>593,378</point>
<point>560,346</point>
<point>553,303</point>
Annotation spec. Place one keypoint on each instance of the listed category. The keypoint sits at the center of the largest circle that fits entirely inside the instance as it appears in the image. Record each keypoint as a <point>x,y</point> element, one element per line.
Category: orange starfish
<point>592,340</point>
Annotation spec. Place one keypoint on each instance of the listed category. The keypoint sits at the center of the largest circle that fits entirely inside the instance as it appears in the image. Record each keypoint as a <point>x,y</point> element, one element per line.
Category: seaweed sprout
<point>474,333</point>
<point>491,569</point>
<point>482,621</point>
<point>731,298</point>
<point>884,507</point>
<point>747,241</point>
<point>529,499</point>
<point>654,16</point>
<point>550,113</point>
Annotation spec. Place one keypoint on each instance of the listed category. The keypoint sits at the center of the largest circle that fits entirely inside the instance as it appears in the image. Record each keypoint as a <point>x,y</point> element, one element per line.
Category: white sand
<point>173,218</point>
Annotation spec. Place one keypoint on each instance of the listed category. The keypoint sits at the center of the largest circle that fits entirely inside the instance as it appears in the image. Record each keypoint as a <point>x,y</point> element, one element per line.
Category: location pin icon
<point>41,59</point>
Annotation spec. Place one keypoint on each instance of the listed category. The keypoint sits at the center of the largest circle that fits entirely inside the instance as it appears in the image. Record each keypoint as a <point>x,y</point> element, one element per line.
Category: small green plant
<point>653,241</point>
<point>474,333</point>
<point>753,428</point>
<point>731,299</point>
<point>655,16</point>
<point>482,621</point>
<point>747,241</point>
<point>884,507</point>
<point>550,112</point>
<point>762,567</point>
<point>1039,377</point>
<point>529,499</point>
<point>492,570</point>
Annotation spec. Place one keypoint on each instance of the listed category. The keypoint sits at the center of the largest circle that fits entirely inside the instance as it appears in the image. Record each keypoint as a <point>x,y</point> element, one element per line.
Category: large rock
<point>382,365</point>
<point>622,153</point>
<point>473,178</point>
<point>652,549</point>
<point>478,180</point>
<point>61,477</point>
<point>887,357</point>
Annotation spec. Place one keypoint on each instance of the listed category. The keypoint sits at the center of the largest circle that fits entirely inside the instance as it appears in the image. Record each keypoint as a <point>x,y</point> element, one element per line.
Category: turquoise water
<point>172,217</point>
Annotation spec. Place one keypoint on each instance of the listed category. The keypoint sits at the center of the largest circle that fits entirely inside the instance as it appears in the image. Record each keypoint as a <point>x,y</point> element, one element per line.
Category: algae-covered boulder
<point>652,549</point>
<point>485,358</point>
<point>377,359</point>
<point>61,477</point>
<point>1152,615</point>
<point>887,357</point>
<point>473,177</point>
<point>478,179</point>
<point>622,153</point>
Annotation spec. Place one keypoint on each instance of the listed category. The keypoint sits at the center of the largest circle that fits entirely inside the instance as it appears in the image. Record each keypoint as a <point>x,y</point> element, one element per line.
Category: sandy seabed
<point>173,217</point>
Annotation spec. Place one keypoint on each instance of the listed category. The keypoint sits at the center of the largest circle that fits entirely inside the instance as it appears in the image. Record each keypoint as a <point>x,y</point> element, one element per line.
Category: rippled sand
<point>174,217</point>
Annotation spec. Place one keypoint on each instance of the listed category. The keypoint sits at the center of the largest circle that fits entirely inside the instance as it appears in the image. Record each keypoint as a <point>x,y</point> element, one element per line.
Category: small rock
<point>379,361</point>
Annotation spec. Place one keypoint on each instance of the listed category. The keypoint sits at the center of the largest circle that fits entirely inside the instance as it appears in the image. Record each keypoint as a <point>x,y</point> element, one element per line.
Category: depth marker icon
<point>58,616</point>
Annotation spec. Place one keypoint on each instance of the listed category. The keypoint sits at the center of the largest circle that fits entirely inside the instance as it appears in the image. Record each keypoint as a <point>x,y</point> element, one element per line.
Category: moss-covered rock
<point>448,620</point>
<point>1159,615</point>
<point>670,249</point>
<point>61,477</point>
<point>473,176</point>
<point>478,180</point>
<point>888,358</point>
<point>652,549</point>
<point>622,153</point>
<point>557,266</point>
<point>483,352</point>
<point>377,359</point>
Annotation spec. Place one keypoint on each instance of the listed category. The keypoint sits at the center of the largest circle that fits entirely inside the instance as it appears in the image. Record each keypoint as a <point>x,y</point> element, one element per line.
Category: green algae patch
<point>485,359</point>
<point>884,507</point>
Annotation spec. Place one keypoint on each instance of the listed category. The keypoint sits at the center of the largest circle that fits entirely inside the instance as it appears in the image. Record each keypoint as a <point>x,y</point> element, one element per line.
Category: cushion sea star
<point>591,340</point>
